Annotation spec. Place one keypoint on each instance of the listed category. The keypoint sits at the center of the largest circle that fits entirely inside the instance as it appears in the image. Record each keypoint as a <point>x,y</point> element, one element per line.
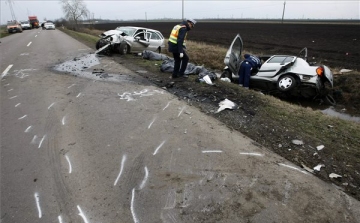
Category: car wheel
<point>227,74</point>
<point>286,83</point>
<point>329,100</point>
<point>123,49</point>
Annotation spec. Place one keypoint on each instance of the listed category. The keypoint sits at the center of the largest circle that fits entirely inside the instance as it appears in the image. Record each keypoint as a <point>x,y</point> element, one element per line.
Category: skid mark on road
<point>81,213</point>
<point>68,160</point>
<point>157,149</point>
<point>121,169</point>
<point>37,200</point>
<point>132,208</point>
<point>142,185</point>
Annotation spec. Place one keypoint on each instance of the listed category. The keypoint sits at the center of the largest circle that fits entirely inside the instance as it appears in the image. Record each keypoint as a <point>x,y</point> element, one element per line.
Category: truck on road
<point>34,22</point>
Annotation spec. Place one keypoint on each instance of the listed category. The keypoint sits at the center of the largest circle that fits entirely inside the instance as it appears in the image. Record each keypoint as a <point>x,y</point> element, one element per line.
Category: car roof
<point>137,27</point>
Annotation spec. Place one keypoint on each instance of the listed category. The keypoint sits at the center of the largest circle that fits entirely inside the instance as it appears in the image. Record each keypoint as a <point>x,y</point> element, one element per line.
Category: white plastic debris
<point>318,167</point>
<point>320,147</point>
<point>226,104</point>
<point>307,168</point>
<point>226,79</point>
<point>345,70</point>
<point>207,80</point>
<point>298,142</point>
<point>334,175</point>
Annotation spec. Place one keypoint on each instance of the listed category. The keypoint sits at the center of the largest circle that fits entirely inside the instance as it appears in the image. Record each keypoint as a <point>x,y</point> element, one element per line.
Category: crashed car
<point>290,75</point>
<point>130,39</point>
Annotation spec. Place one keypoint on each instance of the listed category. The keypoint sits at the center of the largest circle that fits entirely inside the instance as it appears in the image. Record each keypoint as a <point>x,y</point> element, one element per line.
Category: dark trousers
<point>180,64</point>
<point>244,74</point>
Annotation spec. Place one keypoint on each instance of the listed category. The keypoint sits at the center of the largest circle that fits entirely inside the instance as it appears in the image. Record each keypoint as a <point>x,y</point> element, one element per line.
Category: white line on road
<point>166,105</point>
<point>36,195</point>
<point>13,97</point>
<point>145,178</point>
<point>151,123</point>
<point>181,111</point>
<point>121,169</point>
<point>132,206</point>
<point>78,95</point>
<point>82,214</point>
<point>156,150</point>
<point>29,44</point>
<point>294,168</point>
<point>11,89</point>
<point>35,36</point>
<point>28,129</point>
<point>4,73</point>
<point>22,117</point>
<point>252,154</point>
<point>70,168</point>
<point>17,104</point>
<point>211,151</point>
<point>52,104</point>
<point>41,141</point>
<point>71,85</point>
<point>6,85</point>
<point>63,120</point>
<point>34,139</point>
<point>60,219</point>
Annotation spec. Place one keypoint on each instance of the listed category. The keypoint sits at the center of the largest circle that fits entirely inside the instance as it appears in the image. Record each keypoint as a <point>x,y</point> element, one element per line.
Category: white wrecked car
<point>291,75</point>
<point>130,39</point>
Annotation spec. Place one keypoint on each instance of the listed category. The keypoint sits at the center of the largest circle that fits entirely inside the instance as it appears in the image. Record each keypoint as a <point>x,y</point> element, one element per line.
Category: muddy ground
<point>288,121</point>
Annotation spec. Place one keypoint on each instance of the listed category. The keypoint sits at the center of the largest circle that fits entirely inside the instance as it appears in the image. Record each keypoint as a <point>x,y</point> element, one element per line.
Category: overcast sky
<point>130,10</point>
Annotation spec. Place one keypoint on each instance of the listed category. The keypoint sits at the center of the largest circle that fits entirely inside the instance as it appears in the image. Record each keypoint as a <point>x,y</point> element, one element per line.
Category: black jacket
<point>178,48</point>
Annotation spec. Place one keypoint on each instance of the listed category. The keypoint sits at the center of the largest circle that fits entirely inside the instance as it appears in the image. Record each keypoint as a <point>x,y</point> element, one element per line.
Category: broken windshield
<point>127,30</point>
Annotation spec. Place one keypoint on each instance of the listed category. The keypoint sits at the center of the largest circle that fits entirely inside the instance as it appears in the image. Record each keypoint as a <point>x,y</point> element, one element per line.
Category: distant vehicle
<point>14,27</point>
<point>25,25</point>
<point>49,25</point>
<point>34,22</point>
<point>131,39</point>
<point>290,75</point>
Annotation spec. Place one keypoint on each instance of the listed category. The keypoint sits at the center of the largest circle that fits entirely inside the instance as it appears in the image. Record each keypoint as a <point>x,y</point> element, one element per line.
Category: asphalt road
<point>77,146</point>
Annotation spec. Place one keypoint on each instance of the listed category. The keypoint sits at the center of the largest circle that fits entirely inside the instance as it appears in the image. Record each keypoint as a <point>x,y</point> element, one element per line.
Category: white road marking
<point>181,111</point>
<point>17,104</point>
<point>36,195</point>
<point>35,36</point>
<point>156,150</point>
<point>29,44</point>
<point>11,89</point>
<point>294,168</point>
<point>151,123</point>
<point>132,206</point>
<point>71,85</point>
<point>60,219</point>
<point>4,73</point>
<point>70,168</point>
<point>121,169</point>
<point>252,154</point>
<point>52,104</point>
<point>6,85</point>
<point>63,120</point>
<point>211,151</point>
<point>166,105</point>
<point>78,95</point>
<point>82,214</point>
<point>145,178</point>
<point>41,141</point>
<point>34,139</point>
<point>28,129</point>
<point>13,97</point>
<point>22,117</point>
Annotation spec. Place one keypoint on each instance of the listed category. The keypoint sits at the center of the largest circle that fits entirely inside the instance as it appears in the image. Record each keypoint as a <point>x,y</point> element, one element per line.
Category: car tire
<point>329,100</point>
<point>123,48</point>
<point>286,83</point>
<point>227,74</point>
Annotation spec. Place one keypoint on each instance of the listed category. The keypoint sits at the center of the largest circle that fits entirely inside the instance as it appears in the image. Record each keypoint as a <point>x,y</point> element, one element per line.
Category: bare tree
<point>74,10</point>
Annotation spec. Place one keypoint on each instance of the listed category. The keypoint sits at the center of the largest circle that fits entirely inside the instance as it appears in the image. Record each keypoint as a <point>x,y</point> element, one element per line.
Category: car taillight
<point>320,71</point>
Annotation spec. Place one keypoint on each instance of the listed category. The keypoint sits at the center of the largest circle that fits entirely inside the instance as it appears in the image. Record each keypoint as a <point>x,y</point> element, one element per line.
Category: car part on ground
<point>289,75</point>
<point>130,39</point>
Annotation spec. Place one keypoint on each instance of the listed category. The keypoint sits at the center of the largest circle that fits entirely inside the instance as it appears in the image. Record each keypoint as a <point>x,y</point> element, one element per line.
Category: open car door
<point>233,55</point>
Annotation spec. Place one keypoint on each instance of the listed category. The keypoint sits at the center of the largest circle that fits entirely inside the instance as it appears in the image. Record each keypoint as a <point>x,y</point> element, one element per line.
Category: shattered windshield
<point>127,30</point>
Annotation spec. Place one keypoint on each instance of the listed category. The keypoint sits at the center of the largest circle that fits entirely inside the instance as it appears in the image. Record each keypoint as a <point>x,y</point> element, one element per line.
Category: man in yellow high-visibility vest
<point>177,46</point>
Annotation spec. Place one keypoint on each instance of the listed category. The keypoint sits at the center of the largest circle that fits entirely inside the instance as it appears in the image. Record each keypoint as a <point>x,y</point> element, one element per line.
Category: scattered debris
<point>307,168</point>
<point>207,80</point>
<point>330,126</point>
<point>226,79</point>
<point>297,142</point>
<point>345,70</point>
<point>141,71</point>
<point>318,167</point>
<point>334,175</point>
<point>320,147</point>
<point>226,104</point>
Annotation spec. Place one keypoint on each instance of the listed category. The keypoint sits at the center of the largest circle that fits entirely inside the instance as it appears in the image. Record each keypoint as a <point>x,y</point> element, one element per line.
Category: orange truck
<point>34,22</point>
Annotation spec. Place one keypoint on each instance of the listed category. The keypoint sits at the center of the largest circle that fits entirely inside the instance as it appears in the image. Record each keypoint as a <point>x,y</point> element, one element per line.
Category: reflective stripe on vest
<point>174,34</point>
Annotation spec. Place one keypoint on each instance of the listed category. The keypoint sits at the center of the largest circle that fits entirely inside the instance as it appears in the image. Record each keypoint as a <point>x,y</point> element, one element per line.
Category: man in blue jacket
<point>250,64</point>
<point>177,46</point>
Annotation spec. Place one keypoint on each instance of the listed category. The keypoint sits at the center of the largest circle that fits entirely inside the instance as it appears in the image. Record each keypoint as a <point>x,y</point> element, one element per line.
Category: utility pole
<point>11,10</point>
<point>182,10</point>
<point>282,20</point>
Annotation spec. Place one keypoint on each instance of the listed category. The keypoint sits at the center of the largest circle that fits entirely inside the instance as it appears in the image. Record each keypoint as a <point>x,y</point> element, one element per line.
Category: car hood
<point>111,32</point>
<point>233,55</point>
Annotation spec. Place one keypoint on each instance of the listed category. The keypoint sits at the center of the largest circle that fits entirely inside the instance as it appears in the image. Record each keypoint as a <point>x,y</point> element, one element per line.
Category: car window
<point>154,36</point>
<point>280,59</point>
<point>127,30</point>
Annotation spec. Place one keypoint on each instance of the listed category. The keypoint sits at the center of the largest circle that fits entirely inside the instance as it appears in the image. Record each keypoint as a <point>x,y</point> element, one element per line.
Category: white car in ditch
<point>130,39</point>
